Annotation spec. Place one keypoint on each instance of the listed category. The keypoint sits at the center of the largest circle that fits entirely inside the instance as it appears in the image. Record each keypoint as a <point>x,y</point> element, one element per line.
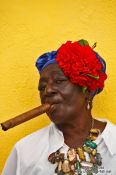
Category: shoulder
<point>110,127</point>
<point>28,151</point>
<point>109,136</point>
<point>34,140</point>
<point>110,131</point>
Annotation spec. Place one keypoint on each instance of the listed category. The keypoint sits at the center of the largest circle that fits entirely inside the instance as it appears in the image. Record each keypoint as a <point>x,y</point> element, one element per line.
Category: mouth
<point>53,107</point>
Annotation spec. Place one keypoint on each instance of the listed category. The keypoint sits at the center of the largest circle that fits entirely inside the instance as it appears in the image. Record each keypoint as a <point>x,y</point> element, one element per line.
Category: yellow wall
<point>30,27</point>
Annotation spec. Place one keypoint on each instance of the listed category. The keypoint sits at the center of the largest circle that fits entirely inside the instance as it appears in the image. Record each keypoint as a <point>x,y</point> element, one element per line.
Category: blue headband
<point>46,59</point>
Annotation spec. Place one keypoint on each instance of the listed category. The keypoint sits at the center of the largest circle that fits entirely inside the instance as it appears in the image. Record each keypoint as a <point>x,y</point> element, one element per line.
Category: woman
<point>74,143</point>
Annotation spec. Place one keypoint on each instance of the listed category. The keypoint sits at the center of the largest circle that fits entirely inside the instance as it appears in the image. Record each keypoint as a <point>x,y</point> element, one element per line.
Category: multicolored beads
<point>90,144</point>
<point>72,157</point>
<point>78,167</point>
<point>81,153</point>
<point>94,131</point>
<point>82,158</point>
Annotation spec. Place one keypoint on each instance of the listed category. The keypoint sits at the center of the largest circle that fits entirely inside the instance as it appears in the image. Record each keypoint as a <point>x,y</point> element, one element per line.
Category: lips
<point>52,108</point>
<point>53,105</point>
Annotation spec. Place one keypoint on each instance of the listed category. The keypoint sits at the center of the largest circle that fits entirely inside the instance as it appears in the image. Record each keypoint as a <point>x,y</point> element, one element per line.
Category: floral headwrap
<point>80,63</point>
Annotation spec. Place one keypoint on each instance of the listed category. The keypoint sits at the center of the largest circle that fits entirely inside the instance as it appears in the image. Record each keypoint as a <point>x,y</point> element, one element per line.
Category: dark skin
<point>68,105</point>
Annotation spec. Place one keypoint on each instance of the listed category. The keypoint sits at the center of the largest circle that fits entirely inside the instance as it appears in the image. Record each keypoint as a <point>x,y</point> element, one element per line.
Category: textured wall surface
<point>29,28</point>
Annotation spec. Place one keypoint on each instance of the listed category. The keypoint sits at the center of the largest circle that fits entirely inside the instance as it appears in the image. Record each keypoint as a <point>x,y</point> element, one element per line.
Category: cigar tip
<point>0,127</point>
<point>47,105</point>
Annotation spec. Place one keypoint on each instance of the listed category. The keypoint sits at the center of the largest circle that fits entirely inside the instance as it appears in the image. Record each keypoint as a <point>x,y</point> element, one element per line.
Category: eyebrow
<point>58,73</point>
<point>42,79</point>
<point>54,72</point>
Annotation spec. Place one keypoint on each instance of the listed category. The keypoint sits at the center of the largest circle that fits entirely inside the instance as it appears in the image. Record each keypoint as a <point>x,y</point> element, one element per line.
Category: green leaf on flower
<point>84,89</point>
<point>83,42</point>
<point>95,77</point>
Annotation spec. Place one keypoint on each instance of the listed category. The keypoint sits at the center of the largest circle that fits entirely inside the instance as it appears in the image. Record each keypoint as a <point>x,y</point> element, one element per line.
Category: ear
<point>88,95</point>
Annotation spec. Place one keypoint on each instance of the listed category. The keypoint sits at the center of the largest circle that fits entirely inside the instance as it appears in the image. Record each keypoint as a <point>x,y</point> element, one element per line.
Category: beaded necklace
<point>78,159</point>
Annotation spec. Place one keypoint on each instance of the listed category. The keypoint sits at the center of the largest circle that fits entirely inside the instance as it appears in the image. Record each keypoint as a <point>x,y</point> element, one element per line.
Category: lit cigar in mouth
<point>25,117</point>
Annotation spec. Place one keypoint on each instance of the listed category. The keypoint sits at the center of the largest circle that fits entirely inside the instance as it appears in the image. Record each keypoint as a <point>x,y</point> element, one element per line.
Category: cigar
<point>25,117</point>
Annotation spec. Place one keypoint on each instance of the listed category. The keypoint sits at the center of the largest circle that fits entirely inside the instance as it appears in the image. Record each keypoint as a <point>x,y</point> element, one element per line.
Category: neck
<point>76,130</point>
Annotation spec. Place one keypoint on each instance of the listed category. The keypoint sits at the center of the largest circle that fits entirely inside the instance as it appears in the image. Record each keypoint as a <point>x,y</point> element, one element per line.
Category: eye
<point>41,88</point>
<point>59,81</point>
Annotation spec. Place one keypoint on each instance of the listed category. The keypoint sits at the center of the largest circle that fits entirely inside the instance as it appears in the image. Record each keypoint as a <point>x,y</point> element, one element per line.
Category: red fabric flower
<point>81,65</point>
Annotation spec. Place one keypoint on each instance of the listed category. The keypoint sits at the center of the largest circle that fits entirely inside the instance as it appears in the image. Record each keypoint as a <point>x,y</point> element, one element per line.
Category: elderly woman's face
<point>66,98</point>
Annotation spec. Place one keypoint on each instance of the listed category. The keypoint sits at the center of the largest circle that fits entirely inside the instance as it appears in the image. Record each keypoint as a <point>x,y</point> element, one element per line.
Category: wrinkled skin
<point>66,97</point>
<point>68,105</point>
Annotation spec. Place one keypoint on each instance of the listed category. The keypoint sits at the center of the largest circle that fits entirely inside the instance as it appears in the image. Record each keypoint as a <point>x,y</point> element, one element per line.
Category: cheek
<point>68,94</point>
<point>73,97</point>
<point>41,97</point>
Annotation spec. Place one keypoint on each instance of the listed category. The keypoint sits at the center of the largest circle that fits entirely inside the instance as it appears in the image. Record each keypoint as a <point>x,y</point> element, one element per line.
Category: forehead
<point>52,69</point>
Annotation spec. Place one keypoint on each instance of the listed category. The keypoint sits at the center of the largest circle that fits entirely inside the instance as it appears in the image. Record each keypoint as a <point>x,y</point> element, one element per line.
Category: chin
<point>55,119</point>
<point>58,119</point>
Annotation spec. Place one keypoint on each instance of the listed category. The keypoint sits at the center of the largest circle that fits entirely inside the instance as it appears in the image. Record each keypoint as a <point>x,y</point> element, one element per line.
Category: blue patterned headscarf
<point>49,58</point>
<point>46,59</point>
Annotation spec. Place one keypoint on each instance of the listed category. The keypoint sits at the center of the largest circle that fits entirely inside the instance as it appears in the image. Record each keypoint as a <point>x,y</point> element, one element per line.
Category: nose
<point>50,90</point>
